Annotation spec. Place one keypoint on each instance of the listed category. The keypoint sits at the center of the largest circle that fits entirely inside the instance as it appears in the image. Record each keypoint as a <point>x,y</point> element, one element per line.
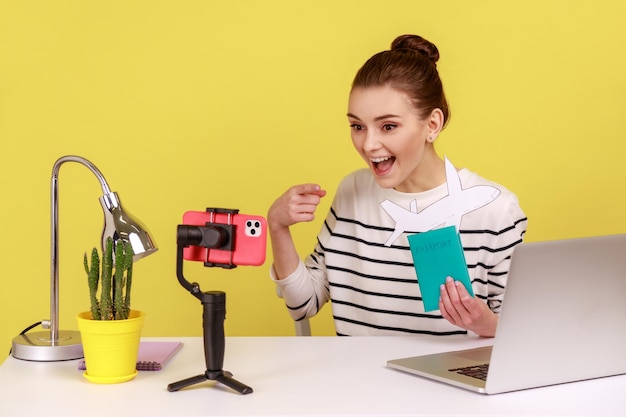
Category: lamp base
<point>38,346</point>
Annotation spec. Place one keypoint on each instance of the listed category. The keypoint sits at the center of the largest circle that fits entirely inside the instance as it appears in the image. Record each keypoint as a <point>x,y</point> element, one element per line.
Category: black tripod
<point>213,303</point>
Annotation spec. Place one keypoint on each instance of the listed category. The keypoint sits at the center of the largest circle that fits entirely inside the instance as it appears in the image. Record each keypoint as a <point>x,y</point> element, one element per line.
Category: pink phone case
<point>250,239</point>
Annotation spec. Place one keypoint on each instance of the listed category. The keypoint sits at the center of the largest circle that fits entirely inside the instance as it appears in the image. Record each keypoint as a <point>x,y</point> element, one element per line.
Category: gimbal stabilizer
<point>215,236</point>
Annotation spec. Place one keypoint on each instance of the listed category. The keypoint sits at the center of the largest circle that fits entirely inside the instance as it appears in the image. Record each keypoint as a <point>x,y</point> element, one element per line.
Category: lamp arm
<point>54,236</point>
<point>85,162</point>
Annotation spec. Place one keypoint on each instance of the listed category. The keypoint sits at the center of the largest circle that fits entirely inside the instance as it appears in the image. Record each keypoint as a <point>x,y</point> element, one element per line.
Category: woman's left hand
<point>461,309</point>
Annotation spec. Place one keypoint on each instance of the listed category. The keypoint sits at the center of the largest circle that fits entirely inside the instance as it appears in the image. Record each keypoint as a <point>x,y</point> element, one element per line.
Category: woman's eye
<point>356,126</point>
<point>388,127</point>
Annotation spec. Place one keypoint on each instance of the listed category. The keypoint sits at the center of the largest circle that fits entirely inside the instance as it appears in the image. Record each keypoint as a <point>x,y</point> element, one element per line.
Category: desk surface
<point>293,376</point>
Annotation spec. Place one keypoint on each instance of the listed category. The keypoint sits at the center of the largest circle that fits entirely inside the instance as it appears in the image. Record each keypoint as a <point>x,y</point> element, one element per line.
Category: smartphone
<point>249,232</point>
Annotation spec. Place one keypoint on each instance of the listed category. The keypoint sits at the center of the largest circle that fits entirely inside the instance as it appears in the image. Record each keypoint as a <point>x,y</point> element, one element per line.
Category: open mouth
<point>382,165</point>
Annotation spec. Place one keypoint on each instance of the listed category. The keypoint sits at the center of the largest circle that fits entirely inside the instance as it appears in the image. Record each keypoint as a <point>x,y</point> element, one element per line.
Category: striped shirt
<point>373,288</point>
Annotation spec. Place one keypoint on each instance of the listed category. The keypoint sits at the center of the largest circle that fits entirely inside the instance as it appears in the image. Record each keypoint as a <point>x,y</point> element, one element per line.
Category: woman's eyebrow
<point>383,117</point>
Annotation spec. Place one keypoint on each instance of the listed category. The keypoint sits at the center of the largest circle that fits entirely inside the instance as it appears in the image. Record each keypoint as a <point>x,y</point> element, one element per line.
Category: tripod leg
<point>234,384</point>
<point>175,386</point>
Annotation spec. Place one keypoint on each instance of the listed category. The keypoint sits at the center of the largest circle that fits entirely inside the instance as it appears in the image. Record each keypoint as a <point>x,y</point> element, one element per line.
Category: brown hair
<point>409,66</point>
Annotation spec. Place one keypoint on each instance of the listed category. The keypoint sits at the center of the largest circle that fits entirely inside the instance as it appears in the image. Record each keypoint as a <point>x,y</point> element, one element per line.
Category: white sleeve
<point>305,290</point>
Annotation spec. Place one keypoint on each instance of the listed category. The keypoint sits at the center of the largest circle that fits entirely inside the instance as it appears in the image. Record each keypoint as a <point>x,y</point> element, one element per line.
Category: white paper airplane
<point>445,212</point>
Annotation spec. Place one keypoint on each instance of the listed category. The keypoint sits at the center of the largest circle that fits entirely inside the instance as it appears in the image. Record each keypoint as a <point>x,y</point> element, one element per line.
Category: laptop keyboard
<point>475,371</point>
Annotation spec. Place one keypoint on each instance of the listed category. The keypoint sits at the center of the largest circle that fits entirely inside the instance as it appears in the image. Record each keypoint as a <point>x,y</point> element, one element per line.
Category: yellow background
<point>189,104</point>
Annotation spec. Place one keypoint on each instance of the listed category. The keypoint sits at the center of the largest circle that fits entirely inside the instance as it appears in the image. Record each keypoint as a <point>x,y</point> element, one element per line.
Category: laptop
<point>563,319</point>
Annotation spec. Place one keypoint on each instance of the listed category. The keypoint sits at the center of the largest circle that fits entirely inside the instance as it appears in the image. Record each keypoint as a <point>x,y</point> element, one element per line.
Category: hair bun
<point>418,44</point>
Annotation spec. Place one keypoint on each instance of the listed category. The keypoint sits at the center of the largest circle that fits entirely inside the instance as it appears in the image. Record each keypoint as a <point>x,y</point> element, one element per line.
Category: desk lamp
<point>55,344</point>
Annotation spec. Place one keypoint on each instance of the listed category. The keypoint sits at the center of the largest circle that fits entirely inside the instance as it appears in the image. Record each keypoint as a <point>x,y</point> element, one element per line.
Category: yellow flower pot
<point>110,347</point>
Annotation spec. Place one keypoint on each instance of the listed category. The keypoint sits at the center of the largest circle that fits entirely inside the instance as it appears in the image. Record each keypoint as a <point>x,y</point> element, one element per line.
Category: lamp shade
<point>121,225</point>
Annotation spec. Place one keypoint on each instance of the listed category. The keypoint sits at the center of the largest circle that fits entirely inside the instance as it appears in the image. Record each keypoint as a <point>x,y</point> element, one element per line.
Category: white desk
<point>293,376</point>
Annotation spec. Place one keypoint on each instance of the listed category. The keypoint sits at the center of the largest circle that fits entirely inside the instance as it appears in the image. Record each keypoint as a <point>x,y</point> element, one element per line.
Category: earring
<point>431,139</point>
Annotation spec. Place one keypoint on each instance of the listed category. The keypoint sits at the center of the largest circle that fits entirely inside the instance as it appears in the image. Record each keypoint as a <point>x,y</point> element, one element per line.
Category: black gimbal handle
<point>214,303</point>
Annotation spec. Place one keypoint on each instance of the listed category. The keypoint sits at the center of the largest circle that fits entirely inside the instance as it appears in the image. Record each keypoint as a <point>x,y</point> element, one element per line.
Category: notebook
<point>152,355</point>
<point>562,320</point>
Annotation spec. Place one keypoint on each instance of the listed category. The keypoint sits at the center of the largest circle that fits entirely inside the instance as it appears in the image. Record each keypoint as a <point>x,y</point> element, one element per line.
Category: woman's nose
<point>372,141</point>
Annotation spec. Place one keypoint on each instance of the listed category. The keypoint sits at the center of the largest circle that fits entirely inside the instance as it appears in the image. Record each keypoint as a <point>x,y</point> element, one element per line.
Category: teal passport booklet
<point>438,254</point>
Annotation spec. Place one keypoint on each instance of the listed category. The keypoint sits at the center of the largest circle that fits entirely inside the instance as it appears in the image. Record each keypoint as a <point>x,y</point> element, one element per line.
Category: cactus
<point>129,282</point>
<point>115,286</point>
<point>106,301</point>
<point>93,276</point>
<point>123,260</point>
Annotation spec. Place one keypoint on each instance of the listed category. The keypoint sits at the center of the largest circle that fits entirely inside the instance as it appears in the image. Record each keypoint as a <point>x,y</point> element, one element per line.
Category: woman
<point>361,263</point>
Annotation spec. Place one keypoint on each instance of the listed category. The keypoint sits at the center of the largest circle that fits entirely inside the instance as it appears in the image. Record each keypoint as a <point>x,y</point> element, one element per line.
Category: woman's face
<point>392,138</point>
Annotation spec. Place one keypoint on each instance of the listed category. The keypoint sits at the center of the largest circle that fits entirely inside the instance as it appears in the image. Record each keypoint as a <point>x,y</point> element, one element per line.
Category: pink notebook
<point>152,356</point>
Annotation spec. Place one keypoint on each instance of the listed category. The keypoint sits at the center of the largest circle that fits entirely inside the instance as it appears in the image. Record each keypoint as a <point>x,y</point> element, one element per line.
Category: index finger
<point>310,189</point>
